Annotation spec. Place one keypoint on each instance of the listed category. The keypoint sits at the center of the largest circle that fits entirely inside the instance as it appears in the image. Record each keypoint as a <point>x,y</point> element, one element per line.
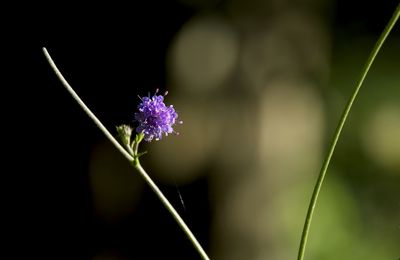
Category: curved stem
<point>339,128</point>
<point>135,162</point>
<point>85,108</point>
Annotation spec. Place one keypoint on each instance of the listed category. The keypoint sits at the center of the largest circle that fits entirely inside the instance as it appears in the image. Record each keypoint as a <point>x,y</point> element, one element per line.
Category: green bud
<point>125,133</point>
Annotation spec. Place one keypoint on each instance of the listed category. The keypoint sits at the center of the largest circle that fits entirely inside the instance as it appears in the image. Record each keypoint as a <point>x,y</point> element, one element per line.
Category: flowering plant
<point>155,120</point>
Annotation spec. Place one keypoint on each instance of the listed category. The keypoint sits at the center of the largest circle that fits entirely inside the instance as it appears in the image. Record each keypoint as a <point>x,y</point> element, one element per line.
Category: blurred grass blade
<point>339,128</point>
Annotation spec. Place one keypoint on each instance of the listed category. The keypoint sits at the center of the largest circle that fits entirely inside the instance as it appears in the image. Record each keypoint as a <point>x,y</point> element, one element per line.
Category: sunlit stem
<point>339,128</point>
<point>134,160</point>
<point>135,144</point>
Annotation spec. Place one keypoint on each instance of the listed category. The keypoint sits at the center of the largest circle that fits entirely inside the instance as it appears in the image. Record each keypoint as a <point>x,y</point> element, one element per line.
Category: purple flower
<point>155,118</point>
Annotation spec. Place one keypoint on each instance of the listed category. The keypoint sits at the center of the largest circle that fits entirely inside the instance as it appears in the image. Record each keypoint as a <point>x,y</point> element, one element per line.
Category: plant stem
<point>172,210</point>
<point>135,162</point>
<point>339,128</point>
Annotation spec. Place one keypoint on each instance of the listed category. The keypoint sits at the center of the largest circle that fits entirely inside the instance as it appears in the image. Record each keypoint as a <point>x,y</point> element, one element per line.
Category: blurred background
<point>260,86</point>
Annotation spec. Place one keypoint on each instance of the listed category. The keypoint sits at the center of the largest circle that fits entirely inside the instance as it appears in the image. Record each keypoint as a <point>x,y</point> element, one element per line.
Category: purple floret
<point>155,118</point>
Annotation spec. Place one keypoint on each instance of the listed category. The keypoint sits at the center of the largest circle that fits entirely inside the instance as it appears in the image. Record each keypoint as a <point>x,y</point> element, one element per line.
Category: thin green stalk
<point>134,161</point>
<point>339,128</point>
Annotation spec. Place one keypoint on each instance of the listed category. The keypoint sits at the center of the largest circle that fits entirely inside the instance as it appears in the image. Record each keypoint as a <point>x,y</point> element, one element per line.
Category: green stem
<point>135,162</point>
<point>339,128</point>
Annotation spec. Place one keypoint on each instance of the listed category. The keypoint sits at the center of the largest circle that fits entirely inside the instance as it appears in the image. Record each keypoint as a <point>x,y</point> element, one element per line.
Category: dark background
<point>109,53</point>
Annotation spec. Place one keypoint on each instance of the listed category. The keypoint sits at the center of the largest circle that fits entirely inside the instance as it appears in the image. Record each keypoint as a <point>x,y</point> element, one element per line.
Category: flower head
<point>155,118</point>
